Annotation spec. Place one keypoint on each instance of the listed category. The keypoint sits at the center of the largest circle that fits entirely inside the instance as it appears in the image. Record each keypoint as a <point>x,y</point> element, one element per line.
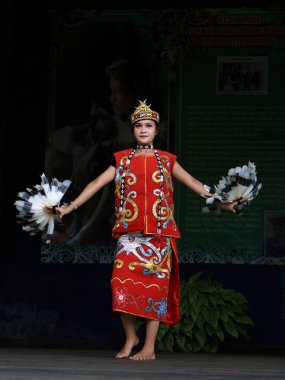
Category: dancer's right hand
<point>60,211</point>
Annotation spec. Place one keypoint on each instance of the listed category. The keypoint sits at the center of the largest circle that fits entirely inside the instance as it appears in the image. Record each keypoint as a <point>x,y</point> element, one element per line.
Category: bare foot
<point>144,355</point>
<point>127,349</point>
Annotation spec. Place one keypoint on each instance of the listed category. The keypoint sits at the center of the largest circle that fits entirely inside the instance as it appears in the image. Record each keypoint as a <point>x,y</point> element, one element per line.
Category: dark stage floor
<point>60,364</point>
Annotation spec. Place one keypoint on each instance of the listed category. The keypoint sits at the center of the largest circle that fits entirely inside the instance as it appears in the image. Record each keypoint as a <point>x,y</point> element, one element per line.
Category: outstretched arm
<point>188,180</point>
<point>194,184</point>
<point>91,189</point>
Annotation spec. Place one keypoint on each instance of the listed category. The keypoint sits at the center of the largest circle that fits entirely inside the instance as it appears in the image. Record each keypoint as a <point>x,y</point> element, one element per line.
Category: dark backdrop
<point>70,305</point>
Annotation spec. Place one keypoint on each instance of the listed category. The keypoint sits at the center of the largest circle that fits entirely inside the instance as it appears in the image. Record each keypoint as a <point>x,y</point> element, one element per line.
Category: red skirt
<point>145,279</point>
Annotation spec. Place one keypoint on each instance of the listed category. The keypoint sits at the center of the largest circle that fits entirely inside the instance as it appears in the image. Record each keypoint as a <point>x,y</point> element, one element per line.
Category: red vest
<point>142,187</point>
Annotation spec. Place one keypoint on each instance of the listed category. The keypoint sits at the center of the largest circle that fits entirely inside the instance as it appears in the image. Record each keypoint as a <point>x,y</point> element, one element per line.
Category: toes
<point>141,356</point>
<point>121,356</point>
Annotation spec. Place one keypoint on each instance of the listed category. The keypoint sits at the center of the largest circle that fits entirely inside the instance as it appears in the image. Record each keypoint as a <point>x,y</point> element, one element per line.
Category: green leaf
<point>208,313</point>
<point>188,327</point>
<point>194,315</point>
<point>200,322</point>
<point>243,319</point>
<point>204,312</point>
<point>224,314</point>
<point>234,297</point>
<point>213,320</point>
<point>196,347</point>
<point>181,342</point>
<point>210,330</point>
<point>204,300</point>
<point>217,313</point>
<point>220,334</point>
<point>162,331</point>
<point>242,330</point>
<point>183,308</point>
<point>231,328</point>
<point>175,328</point>
<point>194,278</point>
<point>192,297</point>
<point>200,336</point>
<point>197,304</point>
<point>216,300</point>
<point>169,341</point>
<point>227,309</point>
<point>188,346</point>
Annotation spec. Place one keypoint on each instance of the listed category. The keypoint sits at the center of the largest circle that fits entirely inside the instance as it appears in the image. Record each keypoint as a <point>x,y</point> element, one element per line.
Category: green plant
<point>208,312</point>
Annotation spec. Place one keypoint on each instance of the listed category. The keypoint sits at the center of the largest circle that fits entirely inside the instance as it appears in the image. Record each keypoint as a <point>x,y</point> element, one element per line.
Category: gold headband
<point>143,112</point>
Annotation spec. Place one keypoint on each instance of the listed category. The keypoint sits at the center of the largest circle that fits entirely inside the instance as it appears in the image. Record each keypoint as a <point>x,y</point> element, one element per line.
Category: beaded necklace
<point>122,190</point>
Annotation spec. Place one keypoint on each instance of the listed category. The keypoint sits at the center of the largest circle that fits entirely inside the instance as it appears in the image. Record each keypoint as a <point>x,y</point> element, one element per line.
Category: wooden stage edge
<point>83,364</point>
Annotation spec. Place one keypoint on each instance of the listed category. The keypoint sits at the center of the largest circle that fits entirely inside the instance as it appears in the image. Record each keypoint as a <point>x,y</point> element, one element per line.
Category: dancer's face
<point>145,131</point>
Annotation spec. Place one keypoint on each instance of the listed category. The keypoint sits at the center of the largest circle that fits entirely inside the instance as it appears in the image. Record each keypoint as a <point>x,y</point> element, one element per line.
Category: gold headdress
<point>143,112</point>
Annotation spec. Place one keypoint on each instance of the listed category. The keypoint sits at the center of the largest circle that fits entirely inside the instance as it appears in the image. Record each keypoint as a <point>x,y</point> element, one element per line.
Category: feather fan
<point>31,205</point>
<point>239,185</point>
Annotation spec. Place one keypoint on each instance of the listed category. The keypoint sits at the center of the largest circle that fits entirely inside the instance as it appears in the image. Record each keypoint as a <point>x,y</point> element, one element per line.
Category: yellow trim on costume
<point>119,263</point>
<point>139,282</point>
<point>152,267</point>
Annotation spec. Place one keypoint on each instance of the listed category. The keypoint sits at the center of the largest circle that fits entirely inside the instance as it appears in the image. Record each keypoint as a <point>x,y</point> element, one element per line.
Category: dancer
<point>145,278</point>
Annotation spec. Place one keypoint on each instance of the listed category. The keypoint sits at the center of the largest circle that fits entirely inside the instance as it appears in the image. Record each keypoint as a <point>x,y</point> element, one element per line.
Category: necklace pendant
<point>147,146</point>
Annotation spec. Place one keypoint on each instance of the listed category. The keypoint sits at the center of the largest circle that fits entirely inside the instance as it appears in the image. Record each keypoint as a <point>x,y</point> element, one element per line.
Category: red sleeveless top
<point>142,188</point>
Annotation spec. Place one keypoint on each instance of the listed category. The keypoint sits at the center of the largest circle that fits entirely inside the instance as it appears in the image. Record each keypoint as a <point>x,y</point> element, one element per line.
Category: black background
<point>70,305</point>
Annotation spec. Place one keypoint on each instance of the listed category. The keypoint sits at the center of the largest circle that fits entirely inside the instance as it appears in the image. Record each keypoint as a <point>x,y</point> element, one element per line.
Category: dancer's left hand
<point>231,206</point>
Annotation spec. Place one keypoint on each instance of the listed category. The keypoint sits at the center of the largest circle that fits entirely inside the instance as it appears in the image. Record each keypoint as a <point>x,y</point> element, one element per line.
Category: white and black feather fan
<point>239,184</point>
<point>30,208</point>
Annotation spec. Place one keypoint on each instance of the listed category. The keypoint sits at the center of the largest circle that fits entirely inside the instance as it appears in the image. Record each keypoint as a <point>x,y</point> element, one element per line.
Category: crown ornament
<point>142,112</point>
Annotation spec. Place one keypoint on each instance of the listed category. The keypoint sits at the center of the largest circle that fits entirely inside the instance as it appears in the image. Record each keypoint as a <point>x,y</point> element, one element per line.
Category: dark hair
<point>156,125</point>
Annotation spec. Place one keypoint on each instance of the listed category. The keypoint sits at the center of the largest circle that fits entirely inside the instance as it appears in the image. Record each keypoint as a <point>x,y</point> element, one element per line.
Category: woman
<point>145,279</point>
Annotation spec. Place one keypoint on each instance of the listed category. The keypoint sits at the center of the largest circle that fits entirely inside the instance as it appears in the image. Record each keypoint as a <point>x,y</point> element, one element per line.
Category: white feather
<point>31,206</point>
<point>239,184</point>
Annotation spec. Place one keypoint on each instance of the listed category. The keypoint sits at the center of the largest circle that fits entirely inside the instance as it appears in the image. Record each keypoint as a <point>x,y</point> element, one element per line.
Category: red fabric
<point>142,183</point>
<point>173,315</point>
<point>145,279</point>
<point>135,291</point>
